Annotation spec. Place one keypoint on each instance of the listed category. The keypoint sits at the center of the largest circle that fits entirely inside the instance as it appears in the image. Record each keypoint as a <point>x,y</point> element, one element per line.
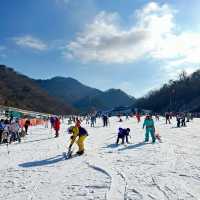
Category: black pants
<point>183,123</point>
<point>105,122</point>
<point>122,138</point>
<point>14,137</point>
<point>26,128</point>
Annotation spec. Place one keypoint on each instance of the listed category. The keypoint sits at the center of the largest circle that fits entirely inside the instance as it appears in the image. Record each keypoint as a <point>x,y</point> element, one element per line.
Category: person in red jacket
<point>138,117</point>
<point>57,126</point>
<point>78,123</point>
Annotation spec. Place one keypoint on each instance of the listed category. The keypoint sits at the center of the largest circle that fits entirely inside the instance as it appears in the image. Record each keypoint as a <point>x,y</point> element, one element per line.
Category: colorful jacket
<point>149,123</point>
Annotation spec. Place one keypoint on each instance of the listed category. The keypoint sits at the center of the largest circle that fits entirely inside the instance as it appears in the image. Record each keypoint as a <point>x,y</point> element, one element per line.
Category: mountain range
<point>57,95</point>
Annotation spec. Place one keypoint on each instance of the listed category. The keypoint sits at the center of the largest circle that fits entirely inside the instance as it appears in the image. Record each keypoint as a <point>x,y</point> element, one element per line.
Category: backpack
<point>82,132</point>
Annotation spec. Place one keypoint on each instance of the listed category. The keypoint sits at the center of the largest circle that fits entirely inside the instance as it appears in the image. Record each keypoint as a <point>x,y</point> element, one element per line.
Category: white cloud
<point>154,35</point>
<point>30,42</point>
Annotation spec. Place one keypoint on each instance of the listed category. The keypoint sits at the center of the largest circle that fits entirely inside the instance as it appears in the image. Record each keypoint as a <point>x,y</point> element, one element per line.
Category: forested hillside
<point>182,94</point>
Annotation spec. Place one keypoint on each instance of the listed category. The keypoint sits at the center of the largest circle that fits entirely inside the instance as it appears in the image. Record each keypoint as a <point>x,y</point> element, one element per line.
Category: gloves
<point>72,137</point>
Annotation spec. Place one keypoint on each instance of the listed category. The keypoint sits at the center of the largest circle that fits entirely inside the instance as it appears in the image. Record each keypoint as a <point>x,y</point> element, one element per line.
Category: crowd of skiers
<point>10,130</point>
<point>181,118</point>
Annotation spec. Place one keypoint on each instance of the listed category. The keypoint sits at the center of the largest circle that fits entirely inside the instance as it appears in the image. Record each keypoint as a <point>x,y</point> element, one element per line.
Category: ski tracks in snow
<point>118,185</point>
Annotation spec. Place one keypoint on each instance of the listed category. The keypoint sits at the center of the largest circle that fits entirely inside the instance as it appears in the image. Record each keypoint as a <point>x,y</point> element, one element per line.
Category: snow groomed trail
<point>36,169</point>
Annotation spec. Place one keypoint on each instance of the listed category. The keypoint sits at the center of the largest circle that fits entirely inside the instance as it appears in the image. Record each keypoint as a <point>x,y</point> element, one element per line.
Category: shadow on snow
<point>134,146</point>
<point>39,163</point>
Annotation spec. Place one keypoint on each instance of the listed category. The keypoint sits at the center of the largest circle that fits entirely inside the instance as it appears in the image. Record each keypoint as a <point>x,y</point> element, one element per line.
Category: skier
<point>52,120</point>
<point>105,120</point>
<point>56,126</point>
<point>92,120</point>
<point>81,133</point>
<point>167,118</point>
<point>5,133</point>
<point>178,120</point>
<point>87,119</point>
<point>14,132</point>
<point>26,125</point>
<point>138,117</point>
<point>183,120</point>
<point>188,117</point>
<point>1,129</point>
<point>150,128</point>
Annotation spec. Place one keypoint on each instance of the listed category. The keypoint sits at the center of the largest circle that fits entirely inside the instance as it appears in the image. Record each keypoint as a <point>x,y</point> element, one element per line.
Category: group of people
<point>182,118</point>
<point>10,130</point>
<point>91,119</point>
<point>124,133</point>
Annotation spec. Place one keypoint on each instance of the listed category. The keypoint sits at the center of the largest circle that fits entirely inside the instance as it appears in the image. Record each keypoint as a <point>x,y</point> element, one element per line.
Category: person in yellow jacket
<point>81,133</point>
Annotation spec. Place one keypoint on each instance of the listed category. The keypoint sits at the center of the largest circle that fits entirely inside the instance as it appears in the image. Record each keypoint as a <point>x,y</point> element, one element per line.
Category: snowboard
<point>67,155</point>
<point>70,155</point>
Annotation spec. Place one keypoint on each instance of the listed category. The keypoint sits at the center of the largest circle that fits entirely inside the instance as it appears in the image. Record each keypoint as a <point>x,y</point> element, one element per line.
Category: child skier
<point>150,128</point>
<point>122,134</point>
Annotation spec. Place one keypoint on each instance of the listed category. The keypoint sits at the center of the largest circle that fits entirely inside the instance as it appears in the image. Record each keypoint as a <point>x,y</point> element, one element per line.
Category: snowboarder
<point>81,133</point>
<point>150,128</point>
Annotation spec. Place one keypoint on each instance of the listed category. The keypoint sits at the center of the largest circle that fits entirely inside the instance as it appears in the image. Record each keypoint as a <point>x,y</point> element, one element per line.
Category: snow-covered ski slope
<point>36,170</point>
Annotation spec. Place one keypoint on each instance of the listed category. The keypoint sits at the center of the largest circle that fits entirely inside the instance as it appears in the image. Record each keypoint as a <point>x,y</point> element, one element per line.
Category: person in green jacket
<point>150,128</point>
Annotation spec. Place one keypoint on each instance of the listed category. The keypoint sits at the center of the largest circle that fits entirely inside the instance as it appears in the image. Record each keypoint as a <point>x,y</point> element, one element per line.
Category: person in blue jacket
<point>150,128</point>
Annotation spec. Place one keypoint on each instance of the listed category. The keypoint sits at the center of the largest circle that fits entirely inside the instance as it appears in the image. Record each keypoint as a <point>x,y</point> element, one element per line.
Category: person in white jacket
<point>14,131</point>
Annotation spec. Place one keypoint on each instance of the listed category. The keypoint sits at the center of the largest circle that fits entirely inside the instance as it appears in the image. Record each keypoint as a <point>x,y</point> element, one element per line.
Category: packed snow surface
<point>36,169</point>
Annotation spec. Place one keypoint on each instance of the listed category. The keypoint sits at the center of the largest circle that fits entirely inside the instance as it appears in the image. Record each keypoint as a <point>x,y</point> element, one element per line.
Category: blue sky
<point>134,45</point>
